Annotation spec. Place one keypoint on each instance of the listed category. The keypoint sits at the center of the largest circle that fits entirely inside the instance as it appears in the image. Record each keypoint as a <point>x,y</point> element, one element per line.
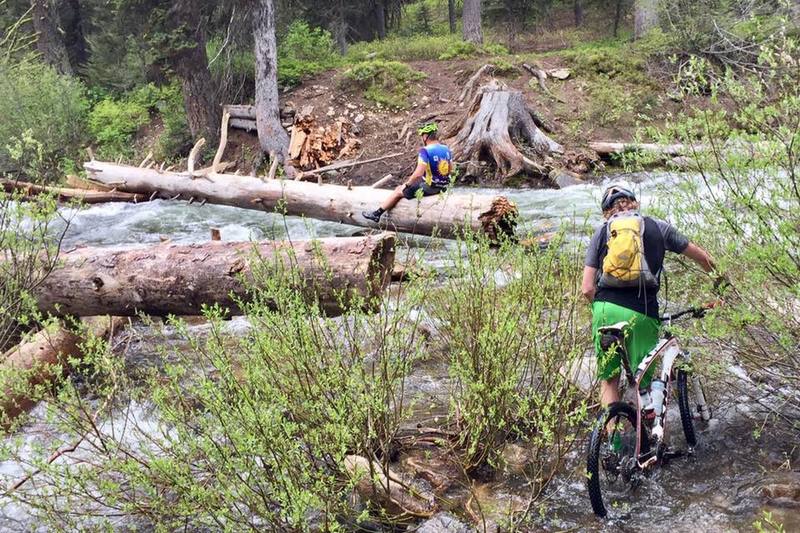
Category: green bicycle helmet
<point>430,127</point>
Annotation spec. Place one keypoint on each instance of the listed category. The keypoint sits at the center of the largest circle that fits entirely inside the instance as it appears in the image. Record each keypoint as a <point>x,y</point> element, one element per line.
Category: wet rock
<point>443,523</point>
<point>784,489</point>
<point>515,457</point>
<point>564,178</point>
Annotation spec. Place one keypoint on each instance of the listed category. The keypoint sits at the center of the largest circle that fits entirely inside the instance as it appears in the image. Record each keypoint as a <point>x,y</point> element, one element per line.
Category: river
<point>718,489</point>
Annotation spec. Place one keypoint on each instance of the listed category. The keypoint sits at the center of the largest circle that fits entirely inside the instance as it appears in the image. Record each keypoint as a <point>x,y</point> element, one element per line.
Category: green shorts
<point>641,336</point>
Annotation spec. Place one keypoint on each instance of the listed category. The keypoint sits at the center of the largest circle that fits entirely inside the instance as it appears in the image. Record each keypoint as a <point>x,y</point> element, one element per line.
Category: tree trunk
<point>42,360</point>
<point>495,115</point>
<point>471,19</point>
<point>63,194</point>
<point>645,17</point>
<point>190,63</point>
<point>577,8</point>
<point>444,215</point>
<point>617,17</point>
<point>380,19</point>
<point>71,17</point>
<point>48,37</point>
<point>181,279</point>
<point>272,138</point>
<point>451,14</point>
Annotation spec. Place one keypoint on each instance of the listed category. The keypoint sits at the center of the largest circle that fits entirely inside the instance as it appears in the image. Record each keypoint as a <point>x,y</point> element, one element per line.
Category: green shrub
<point>303,52</point>
<point>465,50</point>
<point>608,104</point>
<point>43,121</point>
<point>384,82</point>
<point>742,202</point>
<point>113,124</point>
<point>167,101</point>
<point>420,47</point>
<point>508,323</point>
<point>242,428</point>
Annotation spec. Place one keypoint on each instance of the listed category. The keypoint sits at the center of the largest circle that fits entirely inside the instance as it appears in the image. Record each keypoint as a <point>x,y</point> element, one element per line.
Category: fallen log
<point>604,148</point>
<point>41,360</point>
<point>76,182</point>
<point>63,194</point>
<point>396,493</point>
<point>444,215</point>
<point>181,279</point>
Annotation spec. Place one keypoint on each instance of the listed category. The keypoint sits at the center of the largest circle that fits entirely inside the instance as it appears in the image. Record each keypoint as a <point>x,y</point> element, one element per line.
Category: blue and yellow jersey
<point>438,163</point>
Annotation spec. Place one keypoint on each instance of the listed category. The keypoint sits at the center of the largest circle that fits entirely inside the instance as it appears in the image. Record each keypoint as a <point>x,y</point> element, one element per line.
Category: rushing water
<point>716,490</point>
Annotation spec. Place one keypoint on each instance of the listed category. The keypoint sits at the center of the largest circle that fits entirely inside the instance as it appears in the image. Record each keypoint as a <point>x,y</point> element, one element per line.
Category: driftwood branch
<point>223,141</point>
<point>348,164</point>
<point>195,151</point>
<point>541,76</point>
<point>378,184</point>
<point>469,87</point>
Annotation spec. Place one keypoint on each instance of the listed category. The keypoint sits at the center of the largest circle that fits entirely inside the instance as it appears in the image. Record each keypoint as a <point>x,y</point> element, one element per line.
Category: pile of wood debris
<point>312,146</point>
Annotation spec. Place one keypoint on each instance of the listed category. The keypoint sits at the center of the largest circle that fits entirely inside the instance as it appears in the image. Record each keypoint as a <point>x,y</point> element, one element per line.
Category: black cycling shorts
<point>410,191</point>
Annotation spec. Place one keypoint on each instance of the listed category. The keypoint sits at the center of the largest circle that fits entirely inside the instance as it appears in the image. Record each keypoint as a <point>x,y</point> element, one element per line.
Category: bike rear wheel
<point>611,459</point>
<point>685,406</point>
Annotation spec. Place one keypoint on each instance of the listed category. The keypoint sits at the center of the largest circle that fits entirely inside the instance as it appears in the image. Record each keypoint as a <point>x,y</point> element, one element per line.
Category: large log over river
<point>444,215</point>
<point>180,279</point>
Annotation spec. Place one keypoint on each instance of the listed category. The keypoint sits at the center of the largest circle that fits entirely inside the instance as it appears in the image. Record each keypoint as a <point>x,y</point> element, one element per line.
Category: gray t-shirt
<point>659,236</point>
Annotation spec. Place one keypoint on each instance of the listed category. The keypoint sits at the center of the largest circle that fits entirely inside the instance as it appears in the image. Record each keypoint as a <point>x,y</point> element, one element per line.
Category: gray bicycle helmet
<point>613,193</point>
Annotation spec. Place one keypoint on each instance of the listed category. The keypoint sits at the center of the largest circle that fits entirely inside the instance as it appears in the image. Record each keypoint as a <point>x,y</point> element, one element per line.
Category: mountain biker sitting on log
<point>621,280</point>
<point>432,175</point>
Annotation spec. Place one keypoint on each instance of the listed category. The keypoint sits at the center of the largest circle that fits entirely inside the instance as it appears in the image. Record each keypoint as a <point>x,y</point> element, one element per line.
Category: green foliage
<point>242,428</point>
<point>43,121</point>
<point>114,122</point>
<point>724,32</point>
<point>421,47</point>
<point>465,50</point>
<point>503,67</point>
<point>508,323</point>
<point>384,82</point>
<point>303,52</point>
<point>608,105</point>
<point>767,524</point>
<point>746,211</point>
<point>29,238</point>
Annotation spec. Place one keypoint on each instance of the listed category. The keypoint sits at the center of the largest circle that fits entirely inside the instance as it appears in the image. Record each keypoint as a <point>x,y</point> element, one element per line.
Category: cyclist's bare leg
<point>393,198</point>
<point>609,393</point>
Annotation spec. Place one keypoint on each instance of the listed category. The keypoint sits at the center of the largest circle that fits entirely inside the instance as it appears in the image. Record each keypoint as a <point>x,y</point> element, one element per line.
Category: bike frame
<point>669,352</point>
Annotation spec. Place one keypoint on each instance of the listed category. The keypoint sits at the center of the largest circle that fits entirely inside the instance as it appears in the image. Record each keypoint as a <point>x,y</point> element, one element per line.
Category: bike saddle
<point>614,328</point>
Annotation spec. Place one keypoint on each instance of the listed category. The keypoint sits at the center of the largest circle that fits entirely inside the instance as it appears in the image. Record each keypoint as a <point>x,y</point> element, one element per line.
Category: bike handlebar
<point>696,312</point>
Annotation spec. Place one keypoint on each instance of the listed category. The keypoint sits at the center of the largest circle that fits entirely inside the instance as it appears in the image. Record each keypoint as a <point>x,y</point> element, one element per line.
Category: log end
<point>381,264</point>
<point>500,221</point>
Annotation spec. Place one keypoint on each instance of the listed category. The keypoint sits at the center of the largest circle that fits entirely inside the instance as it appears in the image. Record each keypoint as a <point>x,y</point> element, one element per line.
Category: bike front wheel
<point>685,407</point>
<point>611,460</point>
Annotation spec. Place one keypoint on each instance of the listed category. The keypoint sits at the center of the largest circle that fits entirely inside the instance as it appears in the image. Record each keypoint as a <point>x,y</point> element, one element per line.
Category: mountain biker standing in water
<point>431,176</point>
<point>621,280</point>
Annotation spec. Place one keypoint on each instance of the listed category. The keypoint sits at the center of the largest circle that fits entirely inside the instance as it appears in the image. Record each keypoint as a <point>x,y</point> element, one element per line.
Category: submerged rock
<point>443,523</point>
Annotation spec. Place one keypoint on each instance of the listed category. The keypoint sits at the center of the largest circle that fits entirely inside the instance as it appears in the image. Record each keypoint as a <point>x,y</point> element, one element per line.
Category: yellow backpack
<point>625,264</point>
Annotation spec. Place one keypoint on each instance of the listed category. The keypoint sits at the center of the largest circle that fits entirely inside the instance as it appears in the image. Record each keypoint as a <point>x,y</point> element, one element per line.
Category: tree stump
<point>496,118</point>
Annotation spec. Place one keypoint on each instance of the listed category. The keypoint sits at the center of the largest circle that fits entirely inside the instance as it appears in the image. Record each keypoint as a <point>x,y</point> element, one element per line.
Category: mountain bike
<point>627,440</point>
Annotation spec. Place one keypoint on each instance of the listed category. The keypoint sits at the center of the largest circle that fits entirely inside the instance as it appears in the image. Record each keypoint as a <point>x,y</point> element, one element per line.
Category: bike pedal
<point>674,453</point>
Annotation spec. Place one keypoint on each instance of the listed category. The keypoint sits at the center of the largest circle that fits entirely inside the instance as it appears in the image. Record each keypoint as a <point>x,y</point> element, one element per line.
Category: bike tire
<point>594,465</point>
<point>685,407</point>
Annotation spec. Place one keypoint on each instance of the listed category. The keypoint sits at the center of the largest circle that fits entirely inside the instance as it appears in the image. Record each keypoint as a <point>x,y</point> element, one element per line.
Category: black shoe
<point>372,215</point>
